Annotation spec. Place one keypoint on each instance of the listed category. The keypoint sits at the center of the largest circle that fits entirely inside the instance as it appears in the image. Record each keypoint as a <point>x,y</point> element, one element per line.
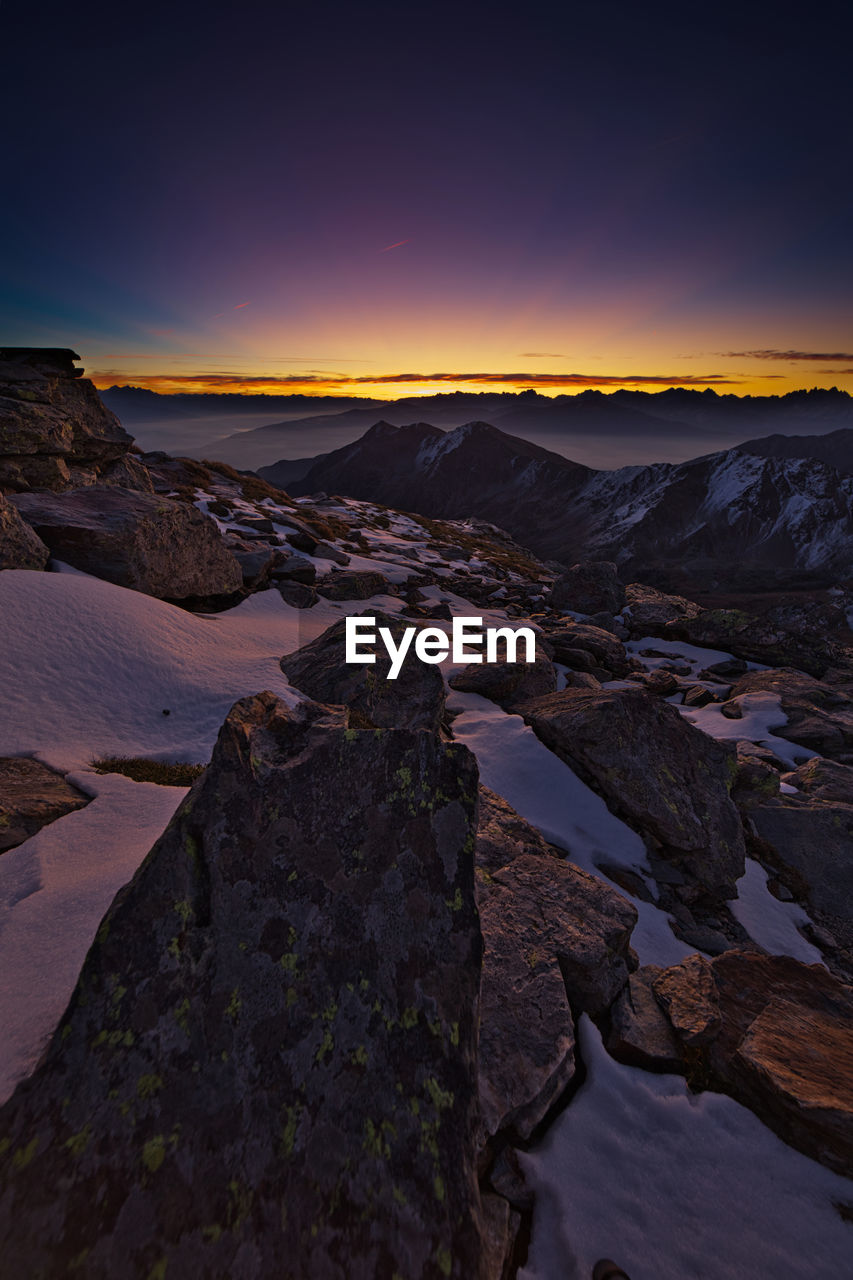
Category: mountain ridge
<point>729,513</point>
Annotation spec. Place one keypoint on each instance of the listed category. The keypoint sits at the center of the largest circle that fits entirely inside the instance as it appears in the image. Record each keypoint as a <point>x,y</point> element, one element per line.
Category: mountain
<point>835,448</point>
<point>599,429</point>
<point>724,516</point>
<point>135,403</point>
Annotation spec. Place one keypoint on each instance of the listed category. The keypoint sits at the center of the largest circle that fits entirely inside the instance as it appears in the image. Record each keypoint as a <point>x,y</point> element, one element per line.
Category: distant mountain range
<point>835,448</point>
<point>138,403</point>
<point>600,429</point>
<point>766,510</point>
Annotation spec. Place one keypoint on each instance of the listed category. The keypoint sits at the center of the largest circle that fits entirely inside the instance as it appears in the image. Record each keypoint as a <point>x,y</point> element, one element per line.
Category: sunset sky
<point>386,199</point>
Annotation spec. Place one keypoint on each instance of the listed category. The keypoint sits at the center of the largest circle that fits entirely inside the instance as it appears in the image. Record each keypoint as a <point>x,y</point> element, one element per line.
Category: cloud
<point>770,353</point>
<point>553,379</point>
<point>239,307</point>
<point>320,382</point>
<point>396,245</point>
<point>541,355</point>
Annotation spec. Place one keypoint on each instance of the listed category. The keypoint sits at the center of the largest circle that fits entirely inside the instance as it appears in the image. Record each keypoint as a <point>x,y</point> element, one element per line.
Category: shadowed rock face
<point>415,700</point>
<point>590,587</point>
<point>268,1065</point>
<point>20,546</point>
<point>162,548</point>
<point>662,774</point>
<point>812,847</point>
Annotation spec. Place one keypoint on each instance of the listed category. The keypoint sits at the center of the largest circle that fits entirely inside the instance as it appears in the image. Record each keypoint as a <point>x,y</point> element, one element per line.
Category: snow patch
<point>676,1186</point>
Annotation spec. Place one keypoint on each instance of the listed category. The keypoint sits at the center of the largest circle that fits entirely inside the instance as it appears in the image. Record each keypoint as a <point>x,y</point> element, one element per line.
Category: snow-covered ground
<point>87,670</point>
<point>514,763</point>
<point>671,1185</point>
<point>677,1186</point>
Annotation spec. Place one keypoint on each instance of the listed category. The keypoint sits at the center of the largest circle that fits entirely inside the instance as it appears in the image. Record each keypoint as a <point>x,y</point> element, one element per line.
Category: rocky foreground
<point>341,996</point>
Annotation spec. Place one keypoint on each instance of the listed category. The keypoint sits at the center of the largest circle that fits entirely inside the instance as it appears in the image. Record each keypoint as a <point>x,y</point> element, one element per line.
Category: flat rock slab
<point>31,796</point>
<point>268,1066</point>
<point>137,540</point>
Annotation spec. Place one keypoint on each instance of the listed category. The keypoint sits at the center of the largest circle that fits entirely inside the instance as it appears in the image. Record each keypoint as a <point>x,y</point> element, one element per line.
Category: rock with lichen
<point>268,1063</point>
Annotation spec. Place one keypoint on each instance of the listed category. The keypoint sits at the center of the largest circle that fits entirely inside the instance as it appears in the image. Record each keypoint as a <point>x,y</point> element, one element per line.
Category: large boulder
<point>664,776</point>
<point>269,1060</point>
<point>591,587</point>
<point>818,716</point>
<point>55,432</point>
<point>20,545</point>
<point>137,540</point>
<point>415,700</point>
<point>31,796</point>
<point>556,945</point>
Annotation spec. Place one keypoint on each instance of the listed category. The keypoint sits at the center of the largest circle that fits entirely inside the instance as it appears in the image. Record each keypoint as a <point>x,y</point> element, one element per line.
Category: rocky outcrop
<point>55,432</point>
<point>31,796</point>
<point>639,1031</point>
<point>269,1059</point>
<point>688,995</point>
<point>591,587</point>
<point>653,768</point>
<point>353,584</point>
<point>778,637</point>
<point>775,1034</point>
<point>20,545</point>
<point>823,780</point>
<point>507,683</point>
<point>819,717</point>
<point>584,647</point>
<point>415,700</point>
<point>649,610</point>
<point>556,945</point>
<point>137,540</point>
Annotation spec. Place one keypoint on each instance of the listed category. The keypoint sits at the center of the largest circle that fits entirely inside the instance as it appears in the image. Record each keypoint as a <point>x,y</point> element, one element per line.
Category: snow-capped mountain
<point>724,511</point>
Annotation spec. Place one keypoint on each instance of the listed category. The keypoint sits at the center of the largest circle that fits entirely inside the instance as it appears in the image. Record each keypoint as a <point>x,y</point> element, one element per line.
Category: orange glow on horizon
<point>398,386</point>
<point>402,385</point>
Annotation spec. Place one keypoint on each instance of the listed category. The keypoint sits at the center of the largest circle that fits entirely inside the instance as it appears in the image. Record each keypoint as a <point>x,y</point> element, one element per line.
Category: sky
<point>385,199</point>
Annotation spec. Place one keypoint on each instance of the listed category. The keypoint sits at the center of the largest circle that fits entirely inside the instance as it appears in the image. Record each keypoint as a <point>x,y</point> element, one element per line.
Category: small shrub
<point>180,774</point>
